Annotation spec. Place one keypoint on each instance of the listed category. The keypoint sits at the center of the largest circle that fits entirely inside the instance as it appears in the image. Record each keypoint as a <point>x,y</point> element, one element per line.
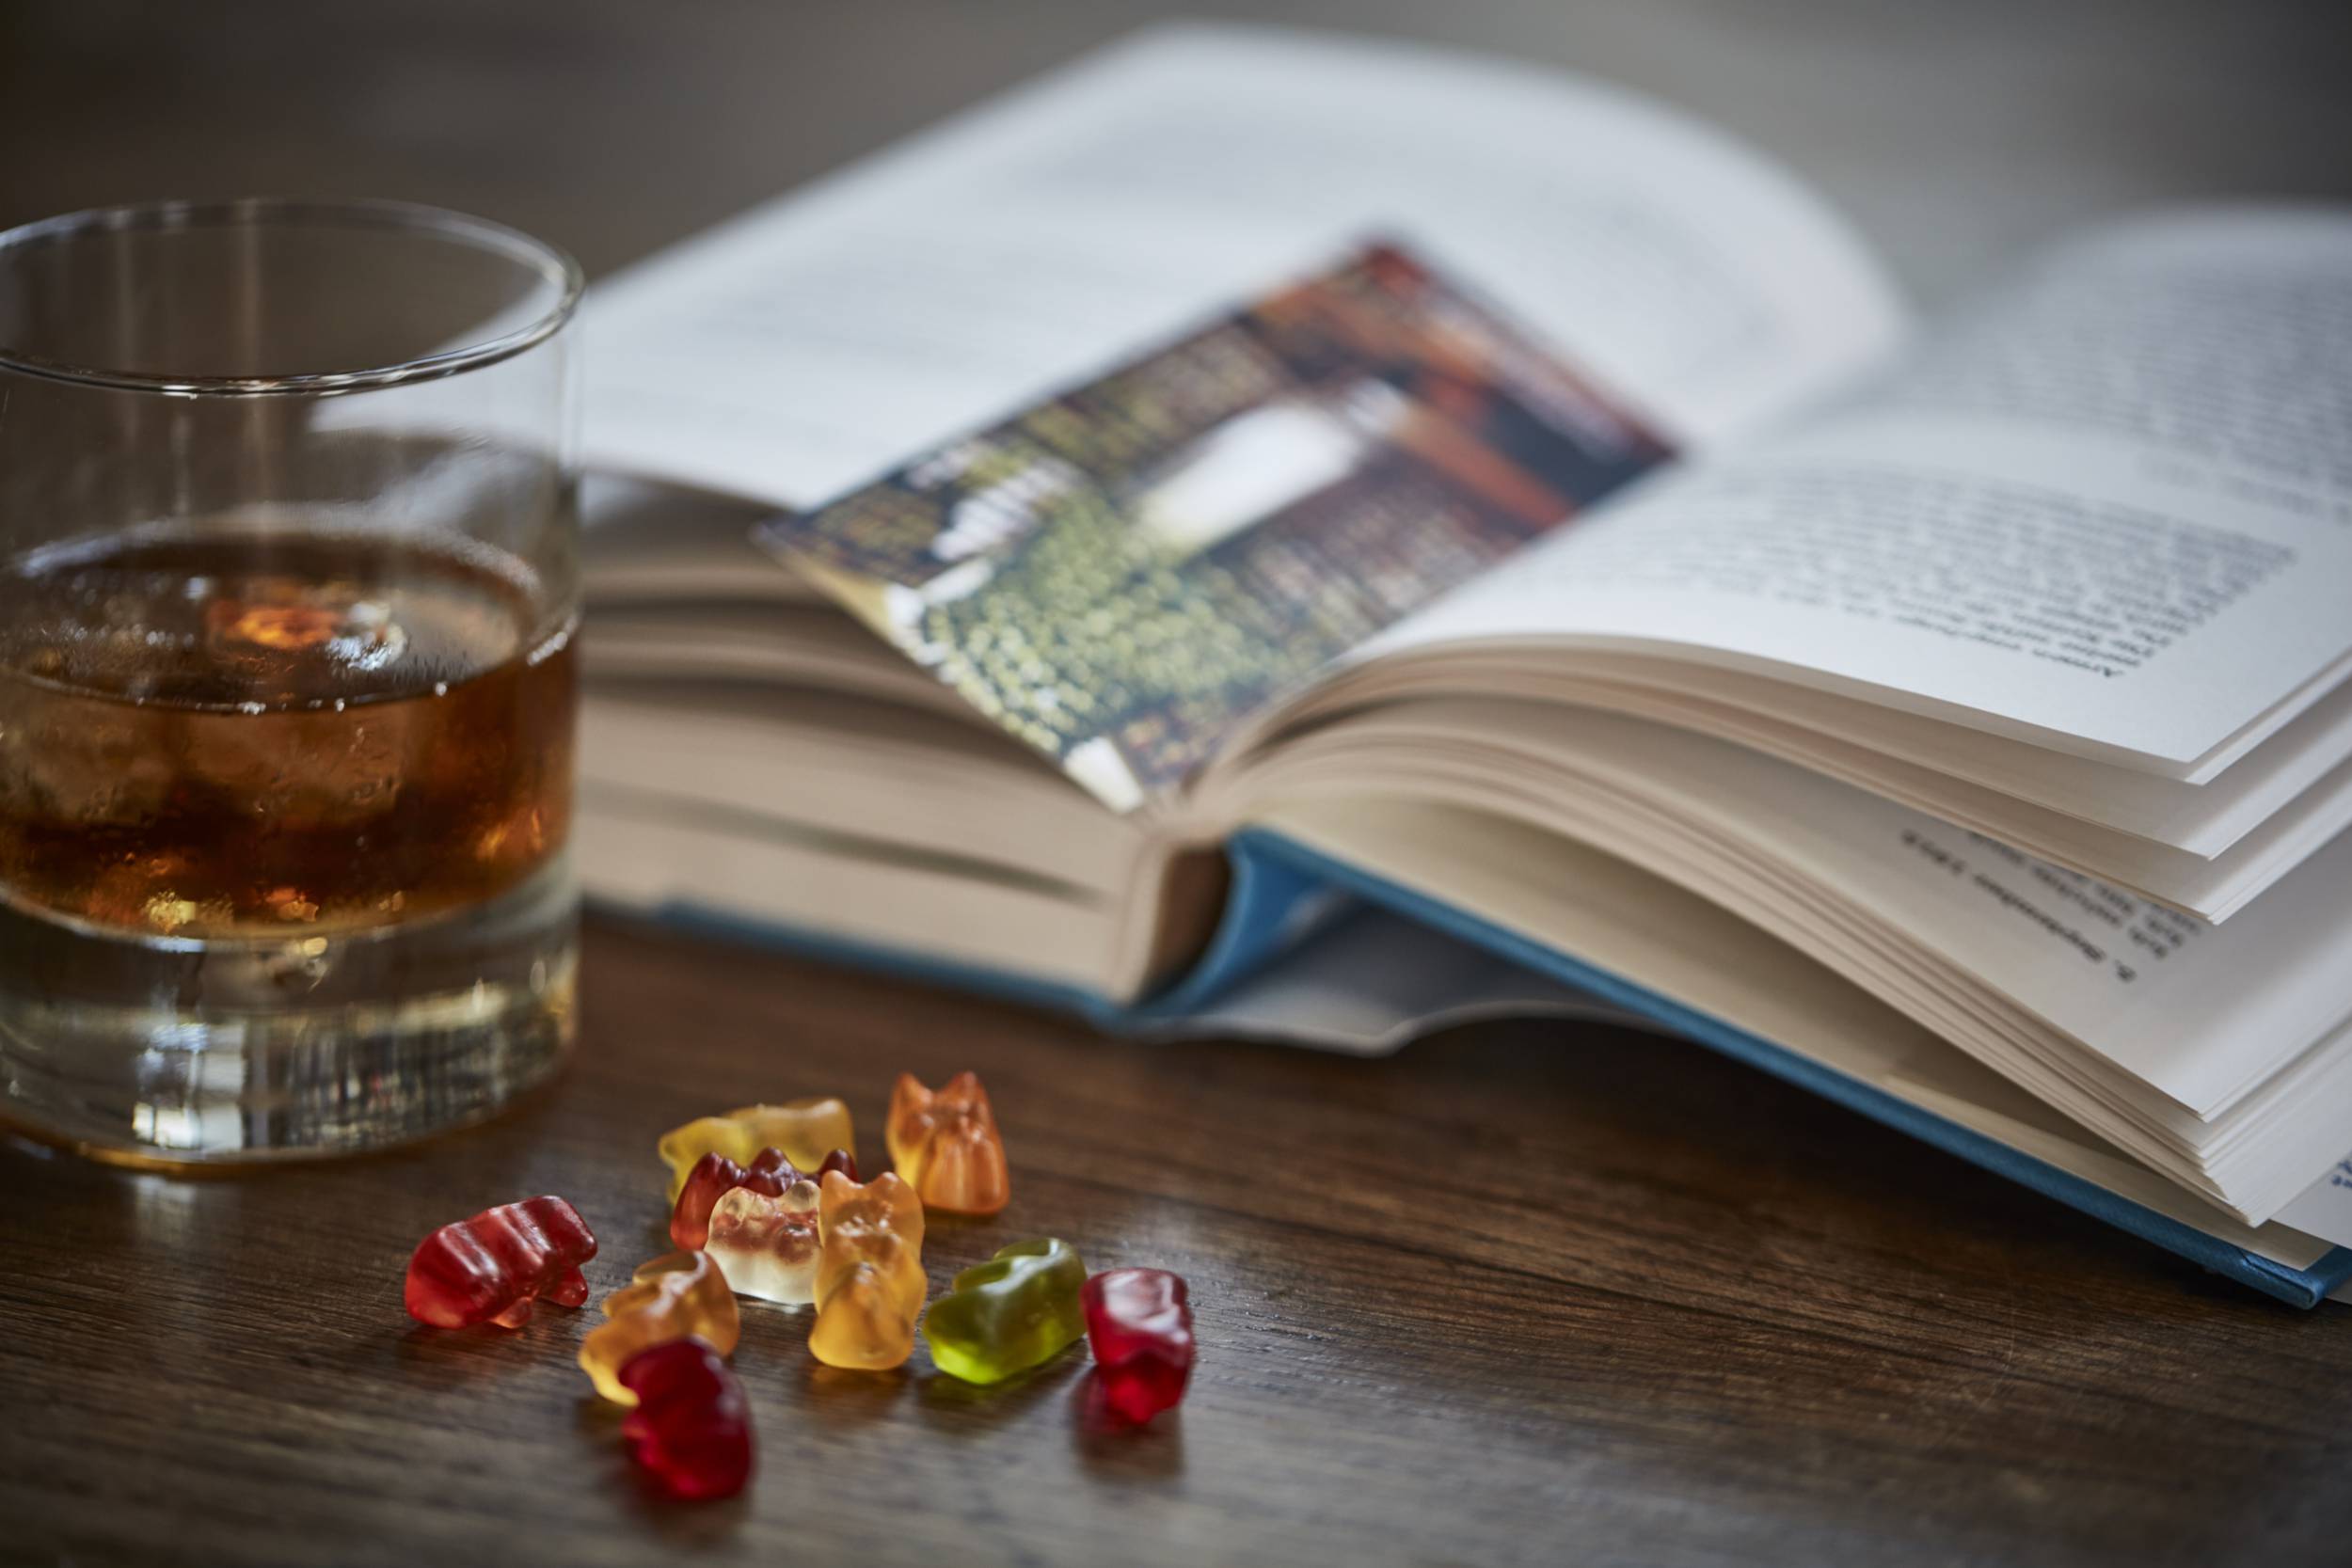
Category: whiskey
<point>289,562</point>
<point>246,735</point>
<point>282,824</point>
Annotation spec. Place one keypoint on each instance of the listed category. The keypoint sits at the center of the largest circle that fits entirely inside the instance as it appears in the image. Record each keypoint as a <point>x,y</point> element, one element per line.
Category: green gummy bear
<point>1018,1310</point>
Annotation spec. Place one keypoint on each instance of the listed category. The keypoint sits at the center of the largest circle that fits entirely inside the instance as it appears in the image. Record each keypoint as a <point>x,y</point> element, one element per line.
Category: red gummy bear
<point>714,1175</point>
<point>691,1430</point>
<point>1139,1324</point>
<point>492,1267</point>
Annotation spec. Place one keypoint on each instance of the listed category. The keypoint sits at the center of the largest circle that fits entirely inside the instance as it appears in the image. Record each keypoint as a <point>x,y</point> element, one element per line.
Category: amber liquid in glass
<point>204,737</point>
<point>283,790</point>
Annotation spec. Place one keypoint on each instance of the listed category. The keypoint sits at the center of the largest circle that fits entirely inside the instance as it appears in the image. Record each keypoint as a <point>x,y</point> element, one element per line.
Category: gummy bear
<point>691,1430</point>
<point>1015,1311</point>
<point>676,1295</point>
<point>945,1142</point>
<point>870,1272</point>
<point>714,1175</point>
<point>803,1129</point>
<point>1139,1323</point>
<point>767,1245</point>
<point>492,1267</point>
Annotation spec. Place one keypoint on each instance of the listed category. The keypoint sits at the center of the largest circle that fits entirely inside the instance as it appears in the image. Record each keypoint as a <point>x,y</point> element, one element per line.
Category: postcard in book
<point>1122,574</point>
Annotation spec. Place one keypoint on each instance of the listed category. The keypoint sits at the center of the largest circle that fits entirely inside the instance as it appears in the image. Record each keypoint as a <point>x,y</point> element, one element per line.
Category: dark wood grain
<point>1526,1293</point>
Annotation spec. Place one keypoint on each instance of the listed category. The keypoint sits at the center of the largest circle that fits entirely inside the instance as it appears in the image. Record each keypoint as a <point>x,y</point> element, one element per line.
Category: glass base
<point>164,1051</point>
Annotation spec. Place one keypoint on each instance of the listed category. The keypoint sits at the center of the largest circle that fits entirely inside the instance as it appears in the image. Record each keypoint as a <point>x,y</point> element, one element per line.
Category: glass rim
<point>553,266</point>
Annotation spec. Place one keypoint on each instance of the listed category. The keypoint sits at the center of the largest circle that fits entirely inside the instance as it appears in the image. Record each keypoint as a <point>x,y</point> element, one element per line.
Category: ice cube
<point>91,766</point>
<point>305,768</point>
<point>328,621</point>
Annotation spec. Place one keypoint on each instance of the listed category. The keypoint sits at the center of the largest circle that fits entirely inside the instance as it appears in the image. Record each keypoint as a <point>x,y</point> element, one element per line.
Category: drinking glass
<point>288,590</point>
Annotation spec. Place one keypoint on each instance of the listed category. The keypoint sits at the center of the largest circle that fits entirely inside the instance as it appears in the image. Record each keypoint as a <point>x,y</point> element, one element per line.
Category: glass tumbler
<point>288,593</point>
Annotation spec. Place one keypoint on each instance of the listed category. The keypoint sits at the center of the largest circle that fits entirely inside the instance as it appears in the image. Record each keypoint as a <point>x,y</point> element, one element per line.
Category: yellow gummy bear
<point>861,1326</point>
<point>805,1130</point>
<point>676,1295</point>
<point>869,1272</point>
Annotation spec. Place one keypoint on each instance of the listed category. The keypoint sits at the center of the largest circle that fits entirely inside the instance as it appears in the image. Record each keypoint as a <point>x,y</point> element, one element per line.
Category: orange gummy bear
<point>676,1295</point>
<point>870,1272</point>
<point>945,1142</point>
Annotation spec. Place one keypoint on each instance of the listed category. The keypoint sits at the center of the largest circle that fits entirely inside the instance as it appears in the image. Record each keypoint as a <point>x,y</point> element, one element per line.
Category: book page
<point>2196,1012</point>
<point>1710,967</point>
<point>2109,509</point>
<point>813,343</point>
<point>2325,1210</point>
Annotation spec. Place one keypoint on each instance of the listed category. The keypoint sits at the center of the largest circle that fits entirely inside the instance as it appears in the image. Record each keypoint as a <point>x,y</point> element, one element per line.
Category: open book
<point>1248,467</point>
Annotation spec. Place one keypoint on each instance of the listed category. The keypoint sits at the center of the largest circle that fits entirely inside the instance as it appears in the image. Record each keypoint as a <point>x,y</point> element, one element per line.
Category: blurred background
<point>1952,134</point>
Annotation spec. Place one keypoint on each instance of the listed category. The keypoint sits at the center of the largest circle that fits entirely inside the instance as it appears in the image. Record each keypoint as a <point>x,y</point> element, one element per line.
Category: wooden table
<point>1525,1293</point>
<point>1533,1293</point>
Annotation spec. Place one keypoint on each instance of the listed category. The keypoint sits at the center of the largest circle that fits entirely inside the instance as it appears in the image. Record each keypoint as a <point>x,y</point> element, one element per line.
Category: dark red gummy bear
<point>492,1267</point>
<point>691,1430</point>
<point>714,1175</point>
<point>1139,1324</point>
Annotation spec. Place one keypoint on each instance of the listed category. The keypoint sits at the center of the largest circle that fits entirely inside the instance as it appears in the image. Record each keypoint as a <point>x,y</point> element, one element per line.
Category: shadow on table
<point>843,1396</point>
<point>1114,1449</point>
<point>960,1408</point>
<point>450,1357</point>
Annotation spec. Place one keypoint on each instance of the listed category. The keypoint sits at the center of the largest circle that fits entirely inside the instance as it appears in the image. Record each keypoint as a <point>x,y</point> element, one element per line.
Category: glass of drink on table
<point>288,595</point>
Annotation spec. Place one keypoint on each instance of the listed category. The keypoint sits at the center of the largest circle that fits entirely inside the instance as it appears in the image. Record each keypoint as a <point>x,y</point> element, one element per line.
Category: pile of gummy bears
<point>766,1202</point>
